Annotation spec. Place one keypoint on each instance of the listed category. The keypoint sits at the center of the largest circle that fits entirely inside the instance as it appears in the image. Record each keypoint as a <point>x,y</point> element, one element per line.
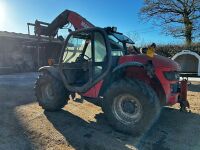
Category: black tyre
<point>50,92</point>
<point>131,106</point>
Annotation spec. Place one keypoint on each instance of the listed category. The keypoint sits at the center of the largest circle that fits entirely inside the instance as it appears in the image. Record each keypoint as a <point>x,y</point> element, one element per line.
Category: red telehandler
<point>95,63</point>
<point>67,17</point>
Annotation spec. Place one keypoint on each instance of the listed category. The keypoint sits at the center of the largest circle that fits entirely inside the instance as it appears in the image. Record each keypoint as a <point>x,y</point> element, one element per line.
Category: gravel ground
<point>24,125</point>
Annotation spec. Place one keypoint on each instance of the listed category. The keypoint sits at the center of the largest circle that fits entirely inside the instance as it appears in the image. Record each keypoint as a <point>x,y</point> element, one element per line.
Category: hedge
<point>171,50</point>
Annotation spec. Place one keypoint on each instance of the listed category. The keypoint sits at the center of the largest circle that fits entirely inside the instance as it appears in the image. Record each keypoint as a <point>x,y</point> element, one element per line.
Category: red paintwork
<point>78,21</point>
<point>161,64</point>
<point>158,61</point>
<point>94,91</point>
<point>184,89</point>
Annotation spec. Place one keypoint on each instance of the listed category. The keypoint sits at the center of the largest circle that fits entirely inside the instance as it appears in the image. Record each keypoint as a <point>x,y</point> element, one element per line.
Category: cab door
<point>100,56</point>
<point>85,59</point>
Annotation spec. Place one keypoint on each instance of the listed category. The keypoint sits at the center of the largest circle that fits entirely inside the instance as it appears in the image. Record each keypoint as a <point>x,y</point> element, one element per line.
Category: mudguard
<point>117,73</point>
<point>128,64</point>
<point>53,70</point>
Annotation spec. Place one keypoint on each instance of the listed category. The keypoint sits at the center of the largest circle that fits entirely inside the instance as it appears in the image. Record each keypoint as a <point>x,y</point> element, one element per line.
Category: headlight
<point>172,75</point>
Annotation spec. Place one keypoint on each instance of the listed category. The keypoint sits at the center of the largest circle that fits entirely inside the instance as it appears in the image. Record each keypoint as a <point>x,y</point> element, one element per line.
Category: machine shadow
<point>98,135</point>
<point>172,130</point>
<point>89,135</point>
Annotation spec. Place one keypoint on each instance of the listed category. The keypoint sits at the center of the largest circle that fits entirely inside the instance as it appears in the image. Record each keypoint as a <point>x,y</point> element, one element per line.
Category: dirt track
<point>24,125</point>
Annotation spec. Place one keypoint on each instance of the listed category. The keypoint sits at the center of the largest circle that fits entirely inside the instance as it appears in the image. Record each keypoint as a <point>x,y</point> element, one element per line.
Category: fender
<point>150,72</point>
<point>117,73</point>
<point>53,70</point>
<point>128,64</point>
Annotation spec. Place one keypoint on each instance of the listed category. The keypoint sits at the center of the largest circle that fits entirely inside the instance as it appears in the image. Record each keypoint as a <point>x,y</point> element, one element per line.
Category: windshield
<point>122,38</point>
<point>119,43</point>
<point>78,45</point>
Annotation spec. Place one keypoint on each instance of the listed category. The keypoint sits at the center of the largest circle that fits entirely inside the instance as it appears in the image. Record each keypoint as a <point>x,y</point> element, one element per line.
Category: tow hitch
<point>184,104</point>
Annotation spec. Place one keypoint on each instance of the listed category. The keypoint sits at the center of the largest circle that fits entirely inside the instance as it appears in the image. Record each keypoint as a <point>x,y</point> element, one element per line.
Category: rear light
<point>172,75</point>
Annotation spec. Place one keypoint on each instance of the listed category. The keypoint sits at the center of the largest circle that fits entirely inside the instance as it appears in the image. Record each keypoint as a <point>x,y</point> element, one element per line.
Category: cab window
<point>78,44</point>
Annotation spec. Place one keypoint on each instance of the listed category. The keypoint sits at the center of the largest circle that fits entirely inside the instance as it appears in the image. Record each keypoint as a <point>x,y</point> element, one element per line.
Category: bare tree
<point>134,36</point>
<point>179,18</point>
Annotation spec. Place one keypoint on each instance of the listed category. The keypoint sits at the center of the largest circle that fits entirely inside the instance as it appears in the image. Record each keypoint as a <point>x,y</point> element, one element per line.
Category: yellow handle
<point>150,52</point>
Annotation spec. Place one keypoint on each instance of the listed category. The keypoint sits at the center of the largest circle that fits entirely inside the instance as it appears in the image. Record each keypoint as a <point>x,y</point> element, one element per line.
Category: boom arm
<point>67,16</point>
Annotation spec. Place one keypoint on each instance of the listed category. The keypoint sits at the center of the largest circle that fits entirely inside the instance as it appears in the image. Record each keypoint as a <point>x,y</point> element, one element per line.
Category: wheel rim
<point>127,109</point>
<point>47,92</point>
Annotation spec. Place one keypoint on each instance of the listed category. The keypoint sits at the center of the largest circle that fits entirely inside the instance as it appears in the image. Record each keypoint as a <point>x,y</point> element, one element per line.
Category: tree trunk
<point>188,31</point>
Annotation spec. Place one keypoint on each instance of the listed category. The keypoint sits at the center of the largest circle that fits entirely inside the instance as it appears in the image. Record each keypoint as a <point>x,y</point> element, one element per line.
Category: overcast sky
<point>14,15</point>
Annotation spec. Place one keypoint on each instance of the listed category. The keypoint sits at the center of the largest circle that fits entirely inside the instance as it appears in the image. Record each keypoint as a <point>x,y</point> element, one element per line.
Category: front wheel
<point>131,106</point>
<point>50,92</point>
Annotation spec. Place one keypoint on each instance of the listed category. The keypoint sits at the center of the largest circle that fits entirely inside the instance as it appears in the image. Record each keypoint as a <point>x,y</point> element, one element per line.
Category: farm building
<point>24,53</point>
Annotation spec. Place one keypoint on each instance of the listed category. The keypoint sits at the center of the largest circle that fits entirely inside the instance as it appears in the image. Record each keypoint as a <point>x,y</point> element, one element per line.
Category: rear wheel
<point>131,106</point>
<point>50,92</point>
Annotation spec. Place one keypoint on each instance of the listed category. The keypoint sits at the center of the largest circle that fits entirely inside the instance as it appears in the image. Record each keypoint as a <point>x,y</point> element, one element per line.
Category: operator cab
<point>89,55</point>
<point>120,44</point>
